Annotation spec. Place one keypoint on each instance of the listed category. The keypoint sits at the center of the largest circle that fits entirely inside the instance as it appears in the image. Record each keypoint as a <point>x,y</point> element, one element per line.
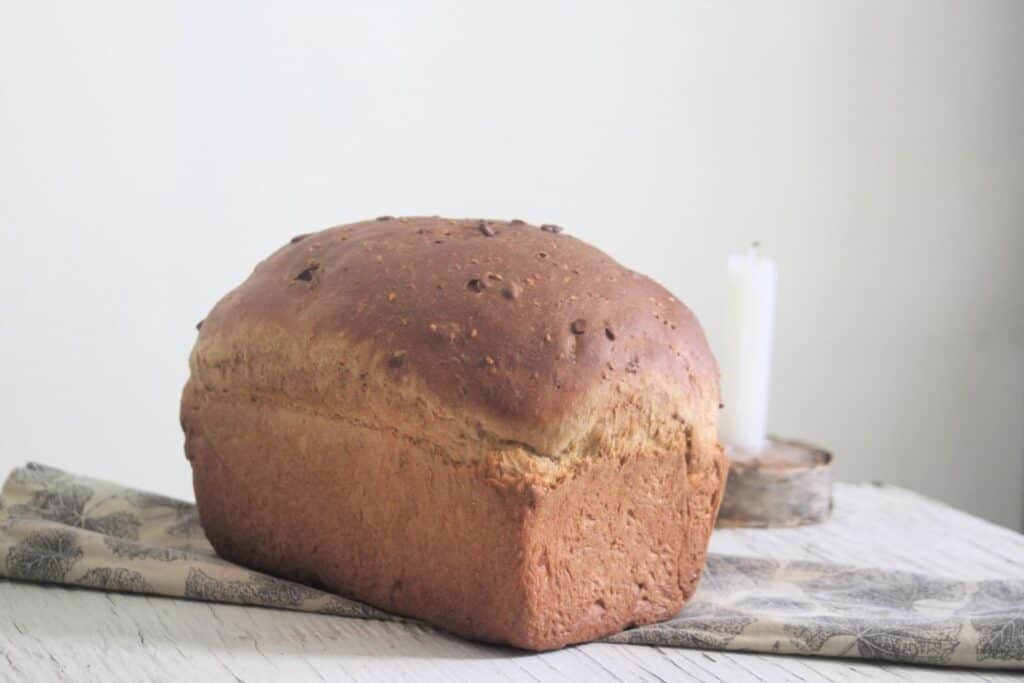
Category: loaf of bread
<point>487,425</point>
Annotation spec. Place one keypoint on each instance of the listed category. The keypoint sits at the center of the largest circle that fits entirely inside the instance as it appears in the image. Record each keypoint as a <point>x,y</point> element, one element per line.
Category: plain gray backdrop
<point>152,153</point>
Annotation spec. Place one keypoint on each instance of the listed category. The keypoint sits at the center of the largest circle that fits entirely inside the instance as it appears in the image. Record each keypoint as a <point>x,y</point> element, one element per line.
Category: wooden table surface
<point>53,633</point>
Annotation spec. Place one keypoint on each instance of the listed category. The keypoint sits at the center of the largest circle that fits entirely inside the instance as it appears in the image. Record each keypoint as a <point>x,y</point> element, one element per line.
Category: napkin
<point>61,528</point>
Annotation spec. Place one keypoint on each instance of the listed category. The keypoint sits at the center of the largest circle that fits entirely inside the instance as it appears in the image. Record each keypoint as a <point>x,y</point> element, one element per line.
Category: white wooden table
<point>51,633</point>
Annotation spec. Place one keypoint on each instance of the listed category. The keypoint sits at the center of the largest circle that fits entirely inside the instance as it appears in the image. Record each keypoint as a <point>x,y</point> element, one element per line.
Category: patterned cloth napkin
<point>57,527</point>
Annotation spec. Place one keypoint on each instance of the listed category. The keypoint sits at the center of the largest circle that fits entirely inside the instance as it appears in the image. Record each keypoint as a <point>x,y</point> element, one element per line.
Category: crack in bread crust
<point>645,414</point>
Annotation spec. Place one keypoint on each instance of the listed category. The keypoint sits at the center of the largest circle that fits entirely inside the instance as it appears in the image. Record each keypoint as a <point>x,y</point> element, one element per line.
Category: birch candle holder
<point>786,483</point>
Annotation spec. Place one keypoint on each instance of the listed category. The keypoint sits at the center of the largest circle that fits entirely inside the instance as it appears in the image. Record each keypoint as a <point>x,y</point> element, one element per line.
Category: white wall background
<point>151,153</point>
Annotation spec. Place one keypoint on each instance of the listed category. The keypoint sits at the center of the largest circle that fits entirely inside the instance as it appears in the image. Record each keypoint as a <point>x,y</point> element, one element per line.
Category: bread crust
<point>429,416</point>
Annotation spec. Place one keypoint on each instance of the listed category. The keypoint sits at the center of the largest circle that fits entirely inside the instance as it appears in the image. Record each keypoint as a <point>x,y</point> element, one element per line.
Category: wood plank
<point>52,633</point>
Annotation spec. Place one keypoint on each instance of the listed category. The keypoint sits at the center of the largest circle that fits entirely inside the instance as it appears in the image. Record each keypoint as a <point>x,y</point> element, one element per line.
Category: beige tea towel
<point>56,527</point>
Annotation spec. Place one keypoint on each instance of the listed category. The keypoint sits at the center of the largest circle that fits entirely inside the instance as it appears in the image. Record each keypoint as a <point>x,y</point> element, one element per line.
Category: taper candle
<point>747,349</point>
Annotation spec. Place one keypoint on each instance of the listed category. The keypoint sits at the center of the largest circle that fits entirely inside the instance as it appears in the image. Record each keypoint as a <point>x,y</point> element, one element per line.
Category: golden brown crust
<point>372,411</point>
<point>512,327</point>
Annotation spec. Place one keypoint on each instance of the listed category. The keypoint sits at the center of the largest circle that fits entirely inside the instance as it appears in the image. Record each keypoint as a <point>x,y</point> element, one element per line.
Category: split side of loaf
<point>487,425</point>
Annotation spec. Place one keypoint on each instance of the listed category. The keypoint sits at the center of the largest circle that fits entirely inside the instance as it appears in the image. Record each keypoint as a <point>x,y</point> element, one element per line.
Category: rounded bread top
<point>501,319</point>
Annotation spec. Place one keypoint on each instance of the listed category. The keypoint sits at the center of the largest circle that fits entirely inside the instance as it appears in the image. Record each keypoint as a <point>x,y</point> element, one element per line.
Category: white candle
<point>747,350</point>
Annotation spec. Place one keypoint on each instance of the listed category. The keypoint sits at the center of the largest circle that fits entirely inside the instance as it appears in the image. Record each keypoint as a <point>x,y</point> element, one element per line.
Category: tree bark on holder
<point>789,483</point>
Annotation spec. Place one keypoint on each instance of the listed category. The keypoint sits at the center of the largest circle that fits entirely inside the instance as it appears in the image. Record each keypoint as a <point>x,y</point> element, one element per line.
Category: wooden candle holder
<point>789,483</point>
